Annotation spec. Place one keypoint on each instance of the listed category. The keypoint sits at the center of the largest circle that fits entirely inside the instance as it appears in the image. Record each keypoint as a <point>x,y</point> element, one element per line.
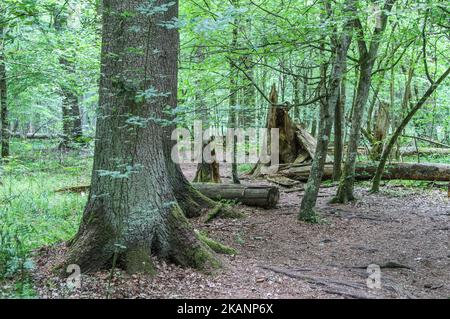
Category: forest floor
<point>404,230</point>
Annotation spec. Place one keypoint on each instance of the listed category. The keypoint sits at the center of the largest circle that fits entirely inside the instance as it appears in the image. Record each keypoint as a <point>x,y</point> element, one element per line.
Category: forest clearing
<point>157,149</point>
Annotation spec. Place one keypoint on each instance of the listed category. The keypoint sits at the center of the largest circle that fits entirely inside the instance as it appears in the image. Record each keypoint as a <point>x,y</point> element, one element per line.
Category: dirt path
<point>404,231</point>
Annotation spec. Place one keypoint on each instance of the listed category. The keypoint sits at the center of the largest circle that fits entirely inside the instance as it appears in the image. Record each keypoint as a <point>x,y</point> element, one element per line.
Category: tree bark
<point>132,210</point>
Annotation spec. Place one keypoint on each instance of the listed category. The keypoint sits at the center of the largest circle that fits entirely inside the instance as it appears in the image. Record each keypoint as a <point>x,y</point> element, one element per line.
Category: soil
<point>404,231</point>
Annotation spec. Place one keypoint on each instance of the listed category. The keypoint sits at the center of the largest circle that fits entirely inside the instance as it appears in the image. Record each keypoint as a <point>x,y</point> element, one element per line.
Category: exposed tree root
<point>222,210</point>
<point>216,246</point>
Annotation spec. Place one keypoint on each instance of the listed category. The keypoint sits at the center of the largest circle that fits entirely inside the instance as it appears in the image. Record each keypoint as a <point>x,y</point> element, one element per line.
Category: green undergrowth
<point>32,215</point>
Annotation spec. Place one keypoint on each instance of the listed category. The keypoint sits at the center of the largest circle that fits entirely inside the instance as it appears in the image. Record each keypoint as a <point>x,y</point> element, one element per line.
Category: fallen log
<point>411,151</point>
<point>366,171</point>
<point>36,136</point>
<point>259,196</point>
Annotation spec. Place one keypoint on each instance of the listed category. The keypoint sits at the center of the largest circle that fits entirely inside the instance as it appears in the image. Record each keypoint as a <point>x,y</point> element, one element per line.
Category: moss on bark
<point>138,260</point>
<point>186,247</point>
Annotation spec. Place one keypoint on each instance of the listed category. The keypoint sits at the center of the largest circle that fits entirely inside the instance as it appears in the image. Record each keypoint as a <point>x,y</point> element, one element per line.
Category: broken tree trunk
<point>366,171</point>
<point>296,145</point>
<point>380,131</point>
<point>208,169</point>
<point>259,196</point>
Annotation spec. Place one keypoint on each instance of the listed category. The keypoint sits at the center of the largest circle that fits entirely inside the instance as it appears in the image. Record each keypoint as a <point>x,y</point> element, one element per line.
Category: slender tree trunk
<point>247,115</point>
<point>314,124</point>
<point>133,211</point>
<point>248,96</point>
<point>398,132</point>
<point>338,132</point>
<point>71,115</point>
<point>296,100</point>
<point>232,121</point>
<point>15,127</point>
<point>4,98</point>
<point>70,118</point>
<point>341,46</point>
<point>345,191</point>
<point>368,57</point>
<point>373,103</point>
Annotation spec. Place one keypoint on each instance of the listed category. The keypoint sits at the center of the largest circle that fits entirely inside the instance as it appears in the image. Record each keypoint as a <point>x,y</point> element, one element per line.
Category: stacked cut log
<point>259,196</point>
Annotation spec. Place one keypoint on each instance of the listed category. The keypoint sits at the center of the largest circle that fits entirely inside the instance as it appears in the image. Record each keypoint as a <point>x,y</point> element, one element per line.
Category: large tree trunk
<point>366,171</point>
<point>132,210</point>
<point>3,98</point>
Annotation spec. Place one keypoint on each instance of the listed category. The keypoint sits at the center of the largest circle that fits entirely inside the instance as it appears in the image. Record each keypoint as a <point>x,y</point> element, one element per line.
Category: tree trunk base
<point>94,248</point>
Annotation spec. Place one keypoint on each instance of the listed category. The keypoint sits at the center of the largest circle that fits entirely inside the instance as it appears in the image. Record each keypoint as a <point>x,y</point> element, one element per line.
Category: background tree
<point>367,58</point>
<point>341,40</point>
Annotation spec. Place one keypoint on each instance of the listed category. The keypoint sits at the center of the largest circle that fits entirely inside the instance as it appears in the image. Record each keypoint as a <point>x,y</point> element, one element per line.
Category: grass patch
<point>32,215</point>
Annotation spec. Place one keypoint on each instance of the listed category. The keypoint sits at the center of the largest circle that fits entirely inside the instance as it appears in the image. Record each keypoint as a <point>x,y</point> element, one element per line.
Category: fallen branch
<point>387,265</point>
<point>332,286</point>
